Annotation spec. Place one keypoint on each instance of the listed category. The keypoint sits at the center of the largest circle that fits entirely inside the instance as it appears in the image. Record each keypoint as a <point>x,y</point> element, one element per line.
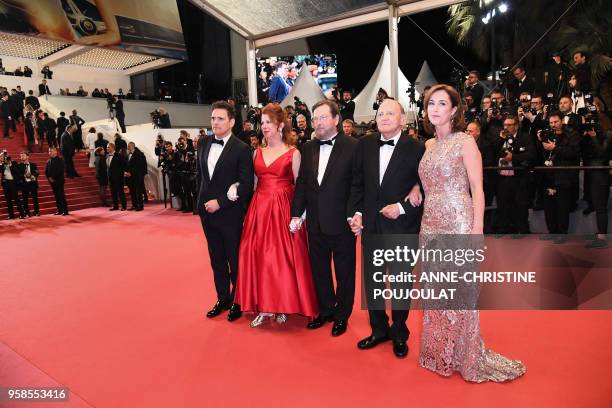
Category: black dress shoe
<point>217,309</point>
<point>400,348</point>
<point>319,321</point>
<point>132,209</point>
<point>371,341</point>
<point>57,213</point>
<point>339,327</point>
<point>234,312</point>
<point>66,213</point>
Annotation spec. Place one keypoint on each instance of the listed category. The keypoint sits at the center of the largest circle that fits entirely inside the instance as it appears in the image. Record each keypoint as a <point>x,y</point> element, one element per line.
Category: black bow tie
<point>387,142</point>
<point>218,141</point>
<point>327,142</point>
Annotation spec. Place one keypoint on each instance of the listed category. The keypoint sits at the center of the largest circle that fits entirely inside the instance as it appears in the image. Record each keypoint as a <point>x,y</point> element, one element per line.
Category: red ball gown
<point>274,268</point>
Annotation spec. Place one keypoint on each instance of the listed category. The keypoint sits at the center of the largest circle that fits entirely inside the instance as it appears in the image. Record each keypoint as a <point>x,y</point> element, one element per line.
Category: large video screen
<point>323,68</point>
<point>145,26</point>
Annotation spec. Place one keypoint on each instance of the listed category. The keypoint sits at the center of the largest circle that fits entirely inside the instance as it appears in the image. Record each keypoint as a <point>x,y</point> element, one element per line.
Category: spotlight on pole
<point>503,8</point>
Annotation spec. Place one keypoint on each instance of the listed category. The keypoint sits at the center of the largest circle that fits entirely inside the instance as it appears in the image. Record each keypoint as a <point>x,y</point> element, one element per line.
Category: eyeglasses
<point>318,118</point>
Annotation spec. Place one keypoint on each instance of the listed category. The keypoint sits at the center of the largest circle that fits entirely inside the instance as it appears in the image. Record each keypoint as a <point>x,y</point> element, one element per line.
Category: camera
<point>155,118</point>
<point>547,135</point>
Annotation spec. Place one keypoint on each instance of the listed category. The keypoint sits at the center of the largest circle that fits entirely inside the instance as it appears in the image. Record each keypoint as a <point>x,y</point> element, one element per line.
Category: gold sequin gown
<point>451,338</point>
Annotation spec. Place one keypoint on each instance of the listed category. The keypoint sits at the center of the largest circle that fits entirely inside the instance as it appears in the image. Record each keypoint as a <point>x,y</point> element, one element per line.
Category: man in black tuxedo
<point>322,189</point>
<point>43,88</point>
<point>119,113</point>
<point>474,87</point>
<point>385,172</point>
<point>62,123</point>
<point>54,171</point>
<point>134,173</point>
<point>28,183</point>
<point>32,100</point>
<point>67,148</point>
<point>347,106</point>
<point>116,165</point>
<point>520,83</point>
<point>223,160</point>
<point>9,176</point>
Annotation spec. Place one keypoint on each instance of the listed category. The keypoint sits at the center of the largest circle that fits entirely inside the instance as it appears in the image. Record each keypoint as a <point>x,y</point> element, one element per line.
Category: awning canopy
<point>268,22</point>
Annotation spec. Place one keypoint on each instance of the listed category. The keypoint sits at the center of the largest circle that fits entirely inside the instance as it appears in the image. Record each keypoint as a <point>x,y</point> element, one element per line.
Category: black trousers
<point>557,209</point>
<point>118,194</point>
<point>10,194</point>
<point>121,120</point>
<point>135,192</point>
<point>9,124</point>
<point>379,320</point>
<point>600,193</point>
<point>512,214</point>
<point>70,170</point>
<point>324,248</point>
<point>29,190</point>
<point>223,246</point>
<point>60,197</point>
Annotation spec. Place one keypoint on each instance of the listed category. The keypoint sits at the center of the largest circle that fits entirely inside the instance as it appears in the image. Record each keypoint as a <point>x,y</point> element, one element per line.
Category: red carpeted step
<point>81,192</point>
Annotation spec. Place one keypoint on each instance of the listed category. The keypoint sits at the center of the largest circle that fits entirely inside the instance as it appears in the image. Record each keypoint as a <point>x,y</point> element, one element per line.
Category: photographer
<point>47,73</point>
<point>520,83</point>
<point>347,106</point>
<point>474,87</point>
<point>515,148</point>
<point>301,109</point>
<point>472,111</point>
<point>135,171</point>
<point>490,119</point>
<point>303,130</point>
<point>570,119</point>
<point>28,183</point>
<point>171,165</point>
<point>160,119</point>
<point>247,130</point>
<point>159,148</point>
<point>380,96</point>
<point>597,151</point>
<point>9,176</point>
<point>561,148</point>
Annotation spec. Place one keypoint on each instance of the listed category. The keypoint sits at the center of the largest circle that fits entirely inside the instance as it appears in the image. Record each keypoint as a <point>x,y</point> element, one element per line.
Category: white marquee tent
<point>425,78</point>
<point>382,79</point>
<point>306,88</point>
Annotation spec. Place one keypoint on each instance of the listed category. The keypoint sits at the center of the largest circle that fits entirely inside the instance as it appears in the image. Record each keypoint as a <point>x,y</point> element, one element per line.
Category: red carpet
<point>111,305</point>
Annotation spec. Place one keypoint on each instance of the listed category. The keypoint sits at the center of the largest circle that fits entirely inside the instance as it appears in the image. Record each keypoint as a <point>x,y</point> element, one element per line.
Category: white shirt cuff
<point>401,209</point>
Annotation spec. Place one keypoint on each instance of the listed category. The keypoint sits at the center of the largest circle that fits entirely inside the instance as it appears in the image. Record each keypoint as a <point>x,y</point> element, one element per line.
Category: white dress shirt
<point>215,152</point>
<point>8,175</point>
<point>324,153</point>
<point>385,152</point>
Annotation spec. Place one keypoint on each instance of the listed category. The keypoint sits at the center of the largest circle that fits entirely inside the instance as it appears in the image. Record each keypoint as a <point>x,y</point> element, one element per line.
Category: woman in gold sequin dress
<point>451,174</point>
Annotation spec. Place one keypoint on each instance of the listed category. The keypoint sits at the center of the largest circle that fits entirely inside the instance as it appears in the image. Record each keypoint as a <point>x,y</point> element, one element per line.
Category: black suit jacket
<point>477,92</point>
<point>119,109</point>
<point>32,101</point>
<point>368,197</point>
<point>116,169</point>
<point>234,165</point>
<point>325,205</point>
<point>66,144</point>
<point>62,124</point>
<point>136,165</point>
<point>55,169</point>
<point>43,90</point>
<point>21,170</point>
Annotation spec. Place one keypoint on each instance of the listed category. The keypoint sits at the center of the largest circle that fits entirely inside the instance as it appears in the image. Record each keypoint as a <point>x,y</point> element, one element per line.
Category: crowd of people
<point>524,124</point>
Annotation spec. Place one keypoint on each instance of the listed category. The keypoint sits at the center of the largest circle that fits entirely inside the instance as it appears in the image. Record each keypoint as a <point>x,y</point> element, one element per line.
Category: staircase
<point>81,192</point>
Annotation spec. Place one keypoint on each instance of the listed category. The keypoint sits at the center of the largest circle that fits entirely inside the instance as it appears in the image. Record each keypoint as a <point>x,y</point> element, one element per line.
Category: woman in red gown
<point>275,278</point>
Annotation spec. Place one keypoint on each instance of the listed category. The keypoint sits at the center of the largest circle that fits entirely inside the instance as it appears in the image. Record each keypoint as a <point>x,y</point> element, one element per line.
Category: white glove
<point>295,225</point>
<point>232,192</point>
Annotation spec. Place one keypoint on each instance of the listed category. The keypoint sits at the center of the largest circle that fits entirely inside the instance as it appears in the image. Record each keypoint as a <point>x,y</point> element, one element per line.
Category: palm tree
<point>586,27</point>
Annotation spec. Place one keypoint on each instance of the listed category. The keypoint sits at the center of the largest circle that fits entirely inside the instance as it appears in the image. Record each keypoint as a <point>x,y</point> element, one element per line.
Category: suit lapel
<point>204,157</point>
<point>333,157</point>
<point>224,153</point>
<point>315,161</point>
<point>396,159</point>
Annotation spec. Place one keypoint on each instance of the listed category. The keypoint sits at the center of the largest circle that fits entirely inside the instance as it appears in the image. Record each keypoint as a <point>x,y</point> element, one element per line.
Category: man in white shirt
<point>384,174</point>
